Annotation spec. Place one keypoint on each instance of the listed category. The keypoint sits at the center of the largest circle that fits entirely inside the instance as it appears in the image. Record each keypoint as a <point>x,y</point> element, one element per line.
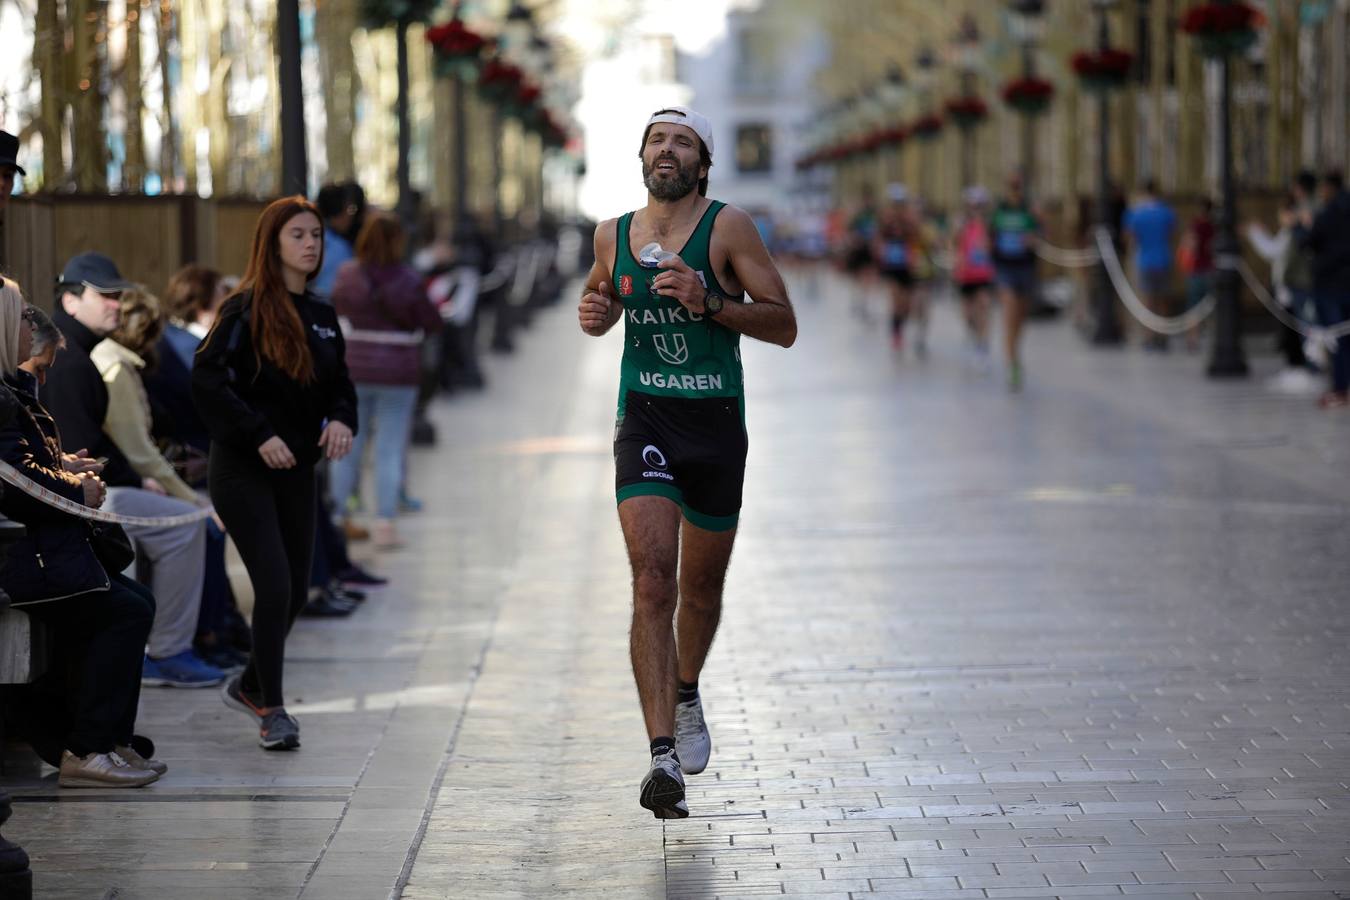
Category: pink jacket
<point>385,314</point>
<point>974,263</point>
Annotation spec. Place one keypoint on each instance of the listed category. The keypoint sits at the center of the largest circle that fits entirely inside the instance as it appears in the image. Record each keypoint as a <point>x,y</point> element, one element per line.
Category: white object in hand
<point>652,255</point>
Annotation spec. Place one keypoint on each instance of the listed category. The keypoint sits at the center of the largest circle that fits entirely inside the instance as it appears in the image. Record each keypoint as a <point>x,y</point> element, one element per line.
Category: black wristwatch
<point>712,303</point>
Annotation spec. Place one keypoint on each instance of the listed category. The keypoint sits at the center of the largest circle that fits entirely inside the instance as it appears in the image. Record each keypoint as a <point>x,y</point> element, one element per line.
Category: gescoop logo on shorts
<point>654,458</point>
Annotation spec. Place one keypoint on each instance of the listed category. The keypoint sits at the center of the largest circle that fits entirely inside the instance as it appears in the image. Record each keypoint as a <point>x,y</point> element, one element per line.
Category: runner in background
<point>924,239</point>
<point>973,271</point>
<point>893,250</point>
<point>1015,229</point>
<point>859,264</point>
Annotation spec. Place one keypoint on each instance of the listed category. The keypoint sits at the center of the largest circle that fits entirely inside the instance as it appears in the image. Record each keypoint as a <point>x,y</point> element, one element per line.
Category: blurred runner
<point>1015,230</point>
<point>893,250</point>
<point>973,271</point>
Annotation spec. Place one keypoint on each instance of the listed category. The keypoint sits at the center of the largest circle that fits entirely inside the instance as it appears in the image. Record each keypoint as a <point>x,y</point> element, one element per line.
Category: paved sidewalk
<point>1085,640</point>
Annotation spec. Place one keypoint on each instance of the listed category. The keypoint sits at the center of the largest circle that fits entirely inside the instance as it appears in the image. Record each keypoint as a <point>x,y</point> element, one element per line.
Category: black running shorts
<point>689,450</point>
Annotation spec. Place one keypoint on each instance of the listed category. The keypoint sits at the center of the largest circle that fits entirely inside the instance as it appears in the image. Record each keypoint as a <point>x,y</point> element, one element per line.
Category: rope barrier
<point>1169,325</point>
<point>1288,319</point>
<point>13,476</point>
<point>1068,258</point>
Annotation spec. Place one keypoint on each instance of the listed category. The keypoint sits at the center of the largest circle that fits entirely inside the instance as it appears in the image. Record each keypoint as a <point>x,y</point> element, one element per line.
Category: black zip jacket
<point>244,404</point>
<point>77,399</point>
<point>1329,240</point>
<point>54,559</point>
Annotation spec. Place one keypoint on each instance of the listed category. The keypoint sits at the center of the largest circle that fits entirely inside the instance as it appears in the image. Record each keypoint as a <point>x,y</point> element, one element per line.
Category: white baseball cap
<point>683,115</point>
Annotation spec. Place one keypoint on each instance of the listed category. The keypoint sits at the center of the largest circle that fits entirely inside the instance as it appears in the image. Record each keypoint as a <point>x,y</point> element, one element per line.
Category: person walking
<point>385,316</point>
<point>1150,224</point>
<point>1291,276</point>
<point>271,384</point>
<point>680,444</point>
<point>1015,230</point>
<point>1327,235</point>
<point>1197,254</point>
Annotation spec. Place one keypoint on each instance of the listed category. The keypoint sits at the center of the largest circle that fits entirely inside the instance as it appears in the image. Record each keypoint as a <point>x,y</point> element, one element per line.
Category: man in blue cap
<point>87,310</point>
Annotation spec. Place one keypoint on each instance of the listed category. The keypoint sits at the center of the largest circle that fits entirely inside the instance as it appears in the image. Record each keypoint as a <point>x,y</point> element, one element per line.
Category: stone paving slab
<point>1084,641</point>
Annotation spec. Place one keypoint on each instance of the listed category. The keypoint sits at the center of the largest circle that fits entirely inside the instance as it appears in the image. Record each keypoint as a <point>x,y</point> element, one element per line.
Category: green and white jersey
<point>669,351</point>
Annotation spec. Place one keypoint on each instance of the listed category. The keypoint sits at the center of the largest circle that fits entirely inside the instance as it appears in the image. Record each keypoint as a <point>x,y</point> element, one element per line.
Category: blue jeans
<point>386,410</point>
<point>1333,310</point>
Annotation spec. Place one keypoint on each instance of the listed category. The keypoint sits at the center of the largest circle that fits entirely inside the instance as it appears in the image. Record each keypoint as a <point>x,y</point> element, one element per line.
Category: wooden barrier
<point>149,238</point>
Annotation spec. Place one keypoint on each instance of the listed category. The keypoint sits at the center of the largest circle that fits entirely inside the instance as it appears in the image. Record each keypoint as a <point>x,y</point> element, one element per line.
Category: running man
<point>680,441</point>
<point>1015,231</point>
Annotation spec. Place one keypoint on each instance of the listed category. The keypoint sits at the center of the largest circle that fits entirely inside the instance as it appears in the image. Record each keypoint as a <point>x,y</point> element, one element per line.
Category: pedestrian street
<point>1085,640</point>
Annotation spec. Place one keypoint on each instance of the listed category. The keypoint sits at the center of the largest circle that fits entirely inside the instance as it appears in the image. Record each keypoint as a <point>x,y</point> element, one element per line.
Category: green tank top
<point>669,351</point>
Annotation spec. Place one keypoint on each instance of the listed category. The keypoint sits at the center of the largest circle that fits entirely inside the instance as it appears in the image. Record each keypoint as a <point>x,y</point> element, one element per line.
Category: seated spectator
<point>120,359</point>
<point>386,316</point>
<point>88,307</point>
<point>191,300</point>
<point>100,620</point>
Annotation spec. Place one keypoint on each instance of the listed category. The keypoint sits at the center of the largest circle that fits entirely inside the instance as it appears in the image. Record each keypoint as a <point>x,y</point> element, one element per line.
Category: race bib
<point>1011,243</point>
<point>895,255</point>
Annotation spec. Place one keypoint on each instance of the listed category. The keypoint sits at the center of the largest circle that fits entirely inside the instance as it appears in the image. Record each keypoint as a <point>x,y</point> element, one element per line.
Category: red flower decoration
<point>499,79</point>
<point>1106,63</point>
<point>967,112</point>
<point>1030,95</point>
<point>928,126</point>
<point>1223,29</point>
<point>1221,18</point>
<point>454,39</point>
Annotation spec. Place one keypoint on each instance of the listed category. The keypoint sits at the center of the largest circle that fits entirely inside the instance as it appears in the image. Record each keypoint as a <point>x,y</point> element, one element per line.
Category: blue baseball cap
<point>94,270</point>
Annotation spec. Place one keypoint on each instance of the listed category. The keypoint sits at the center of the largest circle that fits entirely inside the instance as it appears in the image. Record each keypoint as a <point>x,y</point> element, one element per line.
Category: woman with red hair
<point>271,384</point>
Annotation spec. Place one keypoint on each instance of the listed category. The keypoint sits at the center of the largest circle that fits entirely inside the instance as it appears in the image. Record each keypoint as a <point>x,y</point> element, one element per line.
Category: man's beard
<point>673,188</point>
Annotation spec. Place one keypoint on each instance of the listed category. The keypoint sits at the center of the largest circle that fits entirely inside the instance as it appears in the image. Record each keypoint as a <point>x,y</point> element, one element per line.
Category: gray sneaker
<point>279,731</point>
<point>693,744</point>
<point>663,788</point>
<point>101,770</point>
<point>136,761</point>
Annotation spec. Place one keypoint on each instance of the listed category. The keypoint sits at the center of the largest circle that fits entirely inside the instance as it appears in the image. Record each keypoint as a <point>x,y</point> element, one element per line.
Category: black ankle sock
<point>662,745</point>
<point>688,691</point>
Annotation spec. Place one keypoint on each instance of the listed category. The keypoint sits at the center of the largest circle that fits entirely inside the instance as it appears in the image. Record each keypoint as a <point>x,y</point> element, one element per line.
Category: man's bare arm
<point>770,317</point>
<point>599,308</point>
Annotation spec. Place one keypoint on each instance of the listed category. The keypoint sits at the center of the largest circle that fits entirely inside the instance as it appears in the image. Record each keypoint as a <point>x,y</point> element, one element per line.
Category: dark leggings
<point>100,646</point>
<point>270,515</point>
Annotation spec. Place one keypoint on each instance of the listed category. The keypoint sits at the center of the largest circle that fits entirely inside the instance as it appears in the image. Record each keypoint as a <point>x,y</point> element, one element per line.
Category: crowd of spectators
<point>192,405</point>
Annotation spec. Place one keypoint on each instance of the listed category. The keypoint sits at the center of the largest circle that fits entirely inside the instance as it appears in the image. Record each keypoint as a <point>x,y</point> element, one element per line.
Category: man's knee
<point>654,587</point>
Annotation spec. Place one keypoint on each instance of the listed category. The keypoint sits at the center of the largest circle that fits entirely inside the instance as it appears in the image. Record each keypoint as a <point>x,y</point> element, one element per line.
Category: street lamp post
<point>968,43</point>
<point>1106,331</point>
<point>927,62</point>
<point>1027,14</point>
<point>294,166</point>
<point>405,195</point>
<point>1228,359</point>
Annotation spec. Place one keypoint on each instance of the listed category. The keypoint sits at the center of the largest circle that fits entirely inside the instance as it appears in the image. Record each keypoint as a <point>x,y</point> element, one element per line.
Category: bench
<point>22,656</point>
<point>22,642</point>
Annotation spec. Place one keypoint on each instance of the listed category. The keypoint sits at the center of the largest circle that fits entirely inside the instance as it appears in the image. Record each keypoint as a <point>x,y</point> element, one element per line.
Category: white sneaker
<point>1295,381</point>
<point>693,744</point>
<point>663,788</point>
